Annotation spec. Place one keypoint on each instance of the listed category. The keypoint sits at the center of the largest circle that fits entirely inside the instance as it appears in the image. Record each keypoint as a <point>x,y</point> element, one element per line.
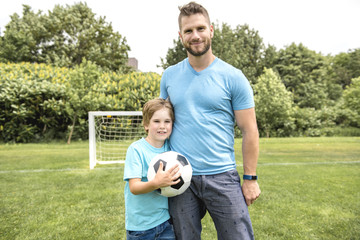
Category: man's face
<point>196,34</point>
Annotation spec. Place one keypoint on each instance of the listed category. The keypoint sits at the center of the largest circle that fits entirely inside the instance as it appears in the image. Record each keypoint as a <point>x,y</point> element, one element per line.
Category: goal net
<point>111,133</point>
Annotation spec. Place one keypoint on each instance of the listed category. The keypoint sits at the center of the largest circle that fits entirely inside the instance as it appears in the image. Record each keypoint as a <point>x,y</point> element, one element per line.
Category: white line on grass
<point>55,170</point>
<point>307,163</point>
<point>112,168</point>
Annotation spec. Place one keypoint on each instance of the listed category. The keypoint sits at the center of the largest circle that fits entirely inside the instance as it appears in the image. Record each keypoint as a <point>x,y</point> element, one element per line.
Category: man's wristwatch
<point>250,177</point>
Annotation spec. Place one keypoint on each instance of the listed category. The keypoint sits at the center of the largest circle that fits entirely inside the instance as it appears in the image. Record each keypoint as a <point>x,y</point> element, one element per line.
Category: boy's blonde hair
<point>154,105</point>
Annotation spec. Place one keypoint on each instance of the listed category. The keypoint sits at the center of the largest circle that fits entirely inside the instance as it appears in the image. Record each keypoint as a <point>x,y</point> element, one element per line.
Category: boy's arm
<point>246,121</point>
<point>162,179</point>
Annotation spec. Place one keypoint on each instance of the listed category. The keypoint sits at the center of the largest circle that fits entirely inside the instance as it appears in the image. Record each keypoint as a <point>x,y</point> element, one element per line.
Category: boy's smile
<point>159,128</point>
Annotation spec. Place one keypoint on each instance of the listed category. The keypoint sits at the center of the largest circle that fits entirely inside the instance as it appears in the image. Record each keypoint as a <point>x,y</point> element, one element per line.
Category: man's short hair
<point>191,9</point>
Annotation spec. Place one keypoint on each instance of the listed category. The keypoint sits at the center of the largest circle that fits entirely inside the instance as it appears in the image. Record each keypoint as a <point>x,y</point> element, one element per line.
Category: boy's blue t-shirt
<point>204,104</point>
<point>143,211</point>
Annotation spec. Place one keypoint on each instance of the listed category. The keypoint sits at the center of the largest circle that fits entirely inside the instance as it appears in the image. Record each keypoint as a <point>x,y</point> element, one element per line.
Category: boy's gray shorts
<point>222,197</point>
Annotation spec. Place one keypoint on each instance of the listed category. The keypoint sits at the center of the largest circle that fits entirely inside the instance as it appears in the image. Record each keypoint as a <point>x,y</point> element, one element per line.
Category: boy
<point>146,212</point>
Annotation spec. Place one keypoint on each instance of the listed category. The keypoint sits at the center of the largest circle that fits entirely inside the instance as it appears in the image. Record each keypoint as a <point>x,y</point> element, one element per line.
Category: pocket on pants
<point>133,235</point>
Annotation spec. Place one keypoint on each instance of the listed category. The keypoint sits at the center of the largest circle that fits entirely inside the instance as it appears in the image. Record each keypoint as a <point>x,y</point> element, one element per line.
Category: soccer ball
<point>170,159</point>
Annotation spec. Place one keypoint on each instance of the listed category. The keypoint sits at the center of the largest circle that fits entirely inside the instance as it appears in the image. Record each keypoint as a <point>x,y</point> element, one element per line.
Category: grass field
<point>310,190</point>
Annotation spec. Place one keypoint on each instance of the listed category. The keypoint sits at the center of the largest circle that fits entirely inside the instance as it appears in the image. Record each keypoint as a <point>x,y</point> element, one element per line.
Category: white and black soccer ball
<point>170,159</point>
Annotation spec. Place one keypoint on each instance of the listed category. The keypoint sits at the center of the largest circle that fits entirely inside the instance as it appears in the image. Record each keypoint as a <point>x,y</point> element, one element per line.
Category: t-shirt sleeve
<point>133,164</point>
<point>241,92</point>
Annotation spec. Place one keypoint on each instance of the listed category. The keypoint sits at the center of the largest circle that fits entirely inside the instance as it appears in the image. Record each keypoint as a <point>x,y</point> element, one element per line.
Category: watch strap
<point>250,177</point>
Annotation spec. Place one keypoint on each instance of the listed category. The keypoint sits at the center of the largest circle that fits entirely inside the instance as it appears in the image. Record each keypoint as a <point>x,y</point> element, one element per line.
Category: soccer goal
<point>111,133</point>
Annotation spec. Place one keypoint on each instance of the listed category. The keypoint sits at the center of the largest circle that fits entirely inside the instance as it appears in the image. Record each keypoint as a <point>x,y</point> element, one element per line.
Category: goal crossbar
<point>110,134</point>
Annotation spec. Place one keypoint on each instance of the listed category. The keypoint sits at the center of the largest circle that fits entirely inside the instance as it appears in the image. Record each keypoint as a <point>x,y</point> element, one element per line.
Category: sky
<point>150,26</point>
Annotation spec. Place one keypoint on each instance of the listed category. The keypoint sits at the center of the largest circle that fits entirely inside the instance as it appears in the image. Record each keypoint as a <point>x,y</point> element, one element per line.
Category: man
<point>209,96</point>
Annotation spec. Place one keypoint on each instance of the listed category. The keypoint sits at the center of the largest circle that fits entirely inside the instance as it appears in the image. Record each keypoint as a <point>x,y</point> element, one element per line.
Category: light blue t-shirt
<point>143,211</point>
<point>204,104</point>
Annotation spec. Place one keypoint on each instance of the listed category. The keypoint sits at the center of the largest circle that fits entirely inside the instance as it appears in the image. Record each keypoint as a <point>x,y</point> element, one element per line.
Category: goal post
<point>111,133</point>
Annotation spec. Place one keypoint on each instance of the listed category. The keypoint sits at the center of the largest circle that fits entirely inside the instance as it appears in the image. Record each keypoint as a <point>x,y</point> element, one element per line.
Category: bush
<point>307,122</point>
<point>340,131</point>
<point>39,102</point>
<point>32,103</point>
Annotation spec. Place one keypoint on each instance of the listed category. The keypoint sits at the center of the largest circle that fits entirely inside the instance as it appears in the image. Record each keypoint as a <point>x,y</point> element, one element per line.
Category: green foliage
<point>22,36</point>
<point>32,100</point>
<point>352,97</point>
<point>346,66</point>
<point>174,55</point>
<point>64,37</point>
<point>307,121</point>
<point>340,131</point>
<point>41,102</point>
<point>303,73</point>
<point>273,105</point>
<point>242,47</point>
<point>270,56</point>
<point>277,117</point>
<point>342,115</point>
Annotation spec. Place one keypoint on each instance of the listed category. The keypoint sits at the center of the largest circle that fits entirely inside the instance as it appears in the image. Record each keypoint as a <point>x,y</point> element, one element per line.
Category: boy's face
<point>159,128</point>
<point>196,34</point>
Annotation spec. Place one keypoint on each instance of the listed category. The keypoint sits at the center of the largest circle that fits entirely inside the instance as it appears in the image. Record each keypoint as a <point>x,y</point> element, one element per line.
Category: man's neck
<point>201,62</point>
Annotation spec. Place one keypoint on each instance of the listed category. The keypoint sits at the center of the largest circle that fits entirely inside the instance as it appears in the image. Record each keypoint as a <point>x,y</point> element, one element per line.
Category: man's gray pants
<point>222,197</point>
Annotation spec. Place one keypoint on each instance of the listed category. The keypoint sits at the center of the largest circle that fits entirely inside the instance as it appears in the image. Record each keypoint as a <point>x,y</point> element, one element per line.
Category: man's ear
<point>180,36</point>
<point>211,31</point>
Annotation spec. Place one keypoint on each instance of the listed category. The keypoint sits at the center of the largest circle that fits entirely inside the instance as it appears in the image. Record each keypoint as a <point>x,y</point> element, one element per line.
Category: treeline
<point>40,102</point>
<point>56,67</point>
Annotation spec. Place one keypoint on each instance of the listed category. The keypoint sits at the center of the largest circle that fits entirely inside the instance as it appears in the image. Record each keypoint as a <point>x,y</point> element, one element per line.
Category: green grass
<point>310,190</point>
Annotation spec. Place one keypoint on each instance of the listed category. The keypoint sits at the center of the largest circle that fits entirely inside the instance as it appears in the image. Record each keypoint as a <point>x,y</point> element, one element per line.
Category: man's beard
<point>198,54</point>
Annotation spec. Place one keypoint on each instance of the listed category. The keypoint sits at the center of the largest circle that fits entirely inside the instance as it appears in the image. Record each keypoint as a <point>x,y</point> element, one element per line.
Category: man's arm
<point>246,121</point>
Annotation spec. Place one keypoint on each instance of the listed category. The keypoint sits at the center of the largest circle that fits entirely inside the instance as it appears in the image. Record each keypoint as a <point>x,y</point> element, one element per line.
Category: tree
<point>270,56</point>
<point>273,105</point>
<point>241,47</point>
<point>64,37</point>
<point>352,96</point>
<point>346,66</point>
<point>174,55</point>
<point>303,72</point>
<point>20,42</point>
